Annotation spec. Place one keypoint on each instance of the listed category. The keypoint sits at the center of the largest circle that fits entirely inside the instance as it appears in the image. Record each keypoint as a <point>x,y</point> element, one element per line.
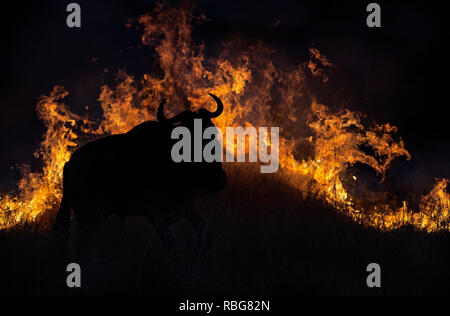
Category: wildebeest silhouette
<point>133,174</point>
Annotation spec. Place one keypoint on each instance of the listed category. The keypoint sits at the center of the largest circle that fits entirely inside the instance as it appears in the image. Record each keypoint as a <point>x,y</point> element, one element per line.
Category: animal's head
<point>206,176</point>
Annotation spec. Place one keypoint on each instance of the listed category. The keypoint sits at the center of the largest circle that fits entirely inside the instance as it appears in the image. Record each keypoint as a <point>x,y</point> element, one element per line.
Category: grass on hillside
<point>266,241</point>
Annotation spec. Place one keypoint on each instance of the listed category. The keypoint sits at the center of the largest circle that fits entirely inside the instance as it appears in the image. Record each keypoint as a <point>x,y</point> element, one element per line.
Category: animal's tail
<point>62,224</point>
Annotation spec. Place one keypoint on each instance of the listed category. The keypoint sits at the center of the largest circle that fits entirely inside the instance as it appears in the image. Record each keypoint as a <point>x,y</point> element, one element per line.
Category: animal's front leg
<point>201,229</point>
<point>163,230</point>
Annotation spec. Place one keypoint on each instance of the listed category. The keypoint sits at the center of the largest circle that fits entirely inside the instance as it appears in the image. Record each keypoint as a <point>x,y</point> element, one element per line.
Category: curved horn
<point>219,108</point>
<point>160,114</point>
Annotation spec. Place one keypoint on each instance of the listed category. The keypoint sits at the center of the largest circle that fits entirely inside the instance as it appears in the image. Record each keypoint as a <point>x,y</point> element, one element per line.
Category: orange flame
<point>256,92</point>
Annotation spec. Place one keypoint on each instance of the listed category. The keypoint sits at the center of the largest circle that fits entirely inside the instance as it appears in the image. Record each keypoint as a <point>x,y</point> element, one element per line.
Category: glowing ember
<point>257,92</point>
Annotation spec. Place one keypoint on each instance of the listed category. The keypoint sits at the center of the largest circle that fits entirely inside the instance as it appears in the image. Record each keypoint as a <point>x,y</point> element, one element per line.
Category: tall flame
<point>257,92</point>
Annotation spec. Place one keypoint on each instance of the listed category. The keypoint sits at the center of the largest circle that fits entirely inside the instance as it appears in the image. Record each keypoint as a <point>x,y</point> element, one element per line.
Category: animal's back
<point>117,166</point>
